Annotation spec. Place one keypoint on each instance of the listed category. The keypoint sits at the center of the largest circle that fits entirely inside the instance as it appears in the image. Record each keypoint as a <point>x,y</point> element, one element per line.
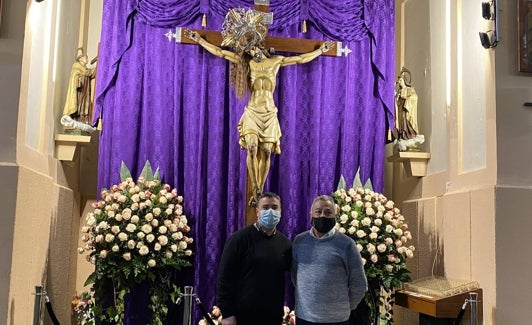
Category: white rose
<point>115,229</point>
<point>375,229</point>
<point>342,230</point>
<point>168,211</point>
<point>351,230</point>
<point>388,241</point>
<point>173,248</point>
<point>346,208</point>
<point>115,248</point>
<point>151,263</point>
<point>387,216</point>
<point>398,243</point>
<point>144,250</point>
<point>155,222</point>
<point>109,238</point>
<point>409,253</point>
<point>146,229</point>
<point>110,214</point>
<point>389,267</point>
<point>118,217</point>
<point>182,245</point>
<point>150,238</point>
<point>363,261</point>
<point>343,218</point>
<point>135,219</point>
<point>141,235</point>
<point>354,223</point>
<point>103,225</point>
<point>378,222</point>
<point>359,247</point>
<point>361,233</point>
<point>103,254</point>
<point>131,227</point>
<point>398,232</point>
<point>168,254</point>
<point>90,219</point>
<point>135,198</point>
<point>388,229</point>
<point>370,211</point>
<point>156,212</point>
<point>188,252</point>
<point>163,200</point>
<point>126,256</point>
<point>373,236</point>
<point>370,248</point>
<point>157,247</point>
<point>163,240</point>
<point>381,248</point>
<point>99,238</point>
<point>374,258</point>
<point>131,244</point>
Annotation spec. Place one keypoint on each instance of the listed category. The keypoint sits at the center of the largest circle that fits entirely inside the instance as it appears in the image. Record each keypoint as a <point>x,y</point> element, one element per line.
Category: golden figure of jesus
<point>254,70</point>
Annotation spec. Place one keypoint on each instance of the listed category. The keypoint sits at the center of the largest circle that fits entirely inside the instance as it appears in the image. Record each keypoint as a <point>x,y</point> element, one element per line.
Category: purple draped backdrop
<point>171,104</point>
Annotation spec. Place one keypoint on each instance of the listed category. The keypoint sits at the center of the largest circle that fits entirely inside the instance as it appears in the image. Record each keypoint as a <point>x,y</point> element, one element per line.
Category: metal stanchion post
<point>473,301</point>
<point>37,305</point>
<point>187,313</point>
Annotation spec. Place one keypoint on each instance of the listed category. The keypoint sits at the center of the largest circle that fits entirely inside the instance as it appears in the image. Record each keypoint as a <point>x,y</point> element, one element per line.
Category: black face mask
<point>323,225</point>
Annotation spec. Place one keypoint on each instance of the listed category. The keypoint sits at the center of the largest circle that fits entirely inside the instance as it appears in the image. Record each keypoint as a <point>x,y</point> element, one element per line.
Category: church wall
<point>514,176</point>
<point>41,197</point>
<point>452,209</point>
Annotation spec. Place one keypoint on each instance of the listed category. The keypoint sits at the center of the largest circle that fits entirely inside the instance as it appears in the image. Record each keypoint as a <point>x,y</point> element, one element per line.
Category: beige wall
<point>452,209</point>
<point>41,197</point>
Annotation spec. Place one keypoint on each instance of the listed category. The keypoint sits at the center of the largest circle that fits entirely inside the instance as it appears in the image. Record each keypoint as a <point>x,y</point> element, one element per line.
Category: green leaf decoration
<point>341,183</point>
<point>368,184</point>
<point>356,182</point>
<point>157,175</point>
<point>124,172</point>
<point>147,172</point>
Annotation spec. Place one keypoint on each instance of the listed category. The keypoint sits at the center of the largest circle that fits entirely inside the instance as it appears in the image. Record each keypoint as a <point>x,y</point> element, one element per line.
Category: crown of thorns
<point>243,29</point>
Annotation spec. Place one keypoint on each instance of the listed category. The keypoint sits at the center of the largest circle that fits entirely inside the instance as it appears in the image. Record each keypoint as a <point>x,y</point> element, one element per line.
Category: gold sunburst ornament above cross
<point>243,29</point>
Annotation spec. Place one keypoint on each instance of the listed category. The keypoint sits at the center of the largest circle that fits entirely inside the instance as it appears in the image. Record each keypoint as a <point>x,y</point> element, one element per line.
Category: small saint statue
<point>406,130</point>
<point>78,106</point>
<point>254,71</point>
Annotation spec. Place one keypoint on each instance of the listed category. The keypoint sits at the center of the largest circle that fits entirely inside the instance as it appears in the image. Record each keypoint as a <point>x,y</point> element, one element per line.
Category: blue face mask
<point>269,218</point>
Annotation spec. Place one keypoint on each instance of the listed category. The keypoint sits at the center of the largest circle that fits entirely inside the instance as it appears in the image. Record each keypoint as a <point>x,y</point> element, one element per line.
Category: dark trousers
<point>300,321</point>
<point>258,320</point>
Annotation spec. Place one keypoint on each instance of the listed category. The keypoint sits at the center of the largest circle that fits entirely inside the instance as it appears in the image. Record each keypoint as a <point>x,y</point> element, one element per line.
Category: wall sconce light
<point>489,12</point>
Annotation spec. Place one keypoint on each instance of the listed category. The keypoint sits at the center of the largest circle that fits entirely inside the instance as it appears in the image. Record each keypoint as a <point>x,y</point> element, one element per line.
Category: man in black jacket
<point>251,276</point>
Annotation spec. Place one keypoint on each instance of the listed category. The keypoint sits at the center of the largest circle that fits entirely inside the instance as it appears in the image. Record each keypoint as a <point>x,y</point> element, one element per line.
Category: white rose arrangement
<point>382,236</point>
<point>137,232</point>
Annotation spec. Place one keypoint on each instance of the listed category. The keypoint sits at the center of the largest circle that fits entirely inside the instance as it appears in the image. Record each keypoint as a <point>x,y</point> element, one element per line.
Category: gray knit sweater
<point>328,276</point>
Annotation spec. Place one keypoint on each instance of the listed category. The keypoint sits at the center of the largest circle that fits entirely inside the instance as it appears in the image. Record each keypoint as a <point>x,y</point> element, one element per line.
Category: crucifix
<point>253,72</point>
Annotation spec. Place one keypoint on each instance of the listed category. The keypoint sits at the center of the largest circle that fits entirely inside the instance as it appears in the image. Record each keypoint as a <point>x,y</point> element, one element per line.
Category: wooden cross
<point>294,45</point>
<point>281,44</point>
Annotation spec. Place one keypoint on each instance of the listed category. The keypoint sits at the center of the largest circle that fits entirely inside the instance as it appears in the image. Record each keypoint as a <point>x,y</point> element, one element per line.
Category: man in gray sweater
<point>327,270</point>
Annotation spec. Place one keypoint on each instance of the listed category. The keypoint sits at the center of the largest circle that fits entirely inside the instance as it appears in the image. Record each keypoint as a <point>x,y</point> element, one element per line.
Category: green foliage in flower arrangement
<point>136,233</point>
<point>381,234</point>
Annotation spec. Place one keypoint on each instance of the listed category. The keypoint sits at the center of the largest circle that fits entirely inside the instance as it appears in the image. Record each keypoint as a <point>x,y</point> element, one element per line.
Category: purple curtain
<point>171,104</point>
